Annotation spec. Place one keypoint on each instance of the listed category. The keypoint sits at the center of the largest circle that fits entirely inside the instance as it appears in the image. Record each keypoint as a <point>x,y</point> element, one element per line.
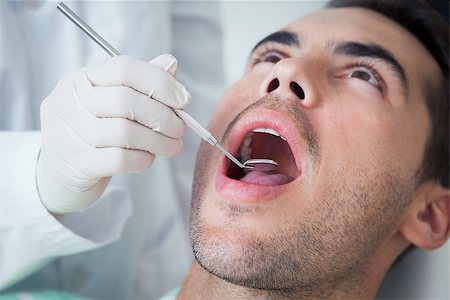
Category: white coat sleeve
<point>29,235</point>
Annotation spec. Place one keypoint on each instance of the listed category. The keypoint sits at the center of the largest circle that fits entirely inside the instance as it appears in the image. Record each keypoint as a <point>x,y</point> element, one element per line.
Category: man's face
<point>343,87</point>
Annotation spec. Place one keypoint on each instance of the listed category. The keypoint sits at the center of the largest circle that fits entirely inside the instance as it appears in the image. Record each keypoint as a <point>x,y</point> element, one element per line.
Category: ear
<point>427,225</point>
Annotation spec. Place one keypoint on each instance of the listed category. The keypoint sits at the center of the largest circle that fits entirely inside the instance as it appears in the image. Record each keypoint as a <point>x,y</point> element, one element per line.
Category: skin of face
<point>336,226</point>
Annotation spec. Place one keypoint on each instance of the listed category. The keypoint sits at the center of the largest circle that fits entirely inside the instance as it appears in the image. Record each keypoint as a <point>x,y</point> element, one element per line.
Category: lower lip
<point>237,191</point>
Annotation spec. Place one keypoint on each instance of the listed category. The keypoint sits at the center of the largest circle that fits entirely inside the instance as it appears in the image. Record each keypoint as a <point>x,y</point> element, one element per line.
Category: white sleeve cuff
<point>31,235</point>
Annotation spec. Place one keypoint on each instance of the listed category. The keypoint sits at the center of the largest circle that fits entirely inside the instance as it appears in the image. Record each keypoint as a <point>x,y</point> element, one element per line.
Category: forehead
<point>317,30</point>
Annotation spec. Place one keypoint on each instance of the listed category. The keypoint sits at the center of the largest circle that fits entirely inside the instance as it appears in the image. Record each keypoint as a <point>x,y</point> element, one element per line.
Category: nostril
<point>297,90</point>
<point>273,85</point>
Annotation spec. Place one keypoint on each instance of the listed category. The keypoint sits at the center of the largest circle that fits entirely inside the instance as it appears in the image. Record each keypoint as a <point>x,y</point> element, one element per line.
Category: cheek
<point>360,135</point>
<point>374,139</point>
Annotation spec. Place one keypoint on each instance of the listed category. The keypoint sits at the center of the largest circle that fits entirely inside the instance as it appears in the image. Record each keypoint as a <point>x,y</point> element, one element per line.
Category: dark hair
<point>429,27</point>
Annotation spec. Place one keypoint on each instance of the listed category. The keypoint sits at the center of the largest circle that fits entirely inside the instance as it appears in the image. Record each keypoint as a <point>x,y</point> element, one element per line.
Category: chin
<point>238,260</point>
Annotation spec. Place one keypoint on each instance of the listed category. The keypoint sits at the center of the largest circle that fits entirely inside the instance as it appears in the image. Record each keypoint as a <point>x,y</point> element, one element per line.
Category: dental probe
<point>193,124</point>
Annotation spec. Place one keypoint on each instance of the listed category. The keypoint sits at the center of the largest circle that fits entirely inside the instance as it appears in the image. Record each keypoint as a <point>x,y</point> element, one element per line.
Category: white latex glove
<point>104,120</point>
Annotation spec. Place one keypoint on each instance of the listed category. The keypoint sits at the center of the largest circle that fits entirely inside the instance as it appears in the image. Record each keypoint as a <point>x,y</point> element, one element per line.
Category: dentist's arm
<point>105,120</point>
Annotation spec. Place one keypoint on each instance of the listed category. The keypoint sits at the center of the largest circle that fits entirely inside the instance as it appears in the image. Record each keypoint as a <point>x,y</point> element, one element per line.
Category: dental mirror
<point>260,164</point>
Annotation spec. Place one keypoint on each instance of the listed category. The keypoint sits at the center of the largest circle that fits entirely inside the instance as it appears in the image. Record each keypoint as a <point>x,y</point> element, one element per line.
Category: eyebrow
<point>373,51</point>
<point>350,48</point>
<point>280,37</point>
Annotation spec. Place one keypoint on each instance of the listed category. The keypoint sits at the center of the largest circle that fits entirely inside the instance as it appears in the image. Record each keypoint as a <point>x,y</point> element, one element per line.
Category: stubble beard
<point>331,249</point>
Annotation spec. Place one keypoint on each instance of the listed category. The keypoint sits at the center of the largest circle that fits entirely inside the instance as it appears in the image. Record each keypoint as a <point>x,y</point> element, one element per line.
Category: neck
<point>200,284</point>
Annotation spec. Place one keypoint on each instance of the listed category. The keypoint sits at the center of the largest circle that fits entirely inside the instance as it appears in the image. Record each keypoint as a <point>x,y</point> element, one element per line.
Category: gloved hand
<point>104,120</point>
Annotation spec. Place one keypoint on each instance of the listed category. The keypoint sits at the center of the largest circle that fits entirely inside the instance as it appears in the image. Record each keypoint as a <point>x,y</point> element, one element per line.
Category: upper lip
<point>265,118</point>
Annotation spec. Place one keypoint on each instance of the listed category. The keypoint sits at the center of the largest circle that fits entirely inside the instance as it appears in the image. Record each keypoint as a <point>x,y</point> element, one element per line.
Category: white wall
<point>247,22</point>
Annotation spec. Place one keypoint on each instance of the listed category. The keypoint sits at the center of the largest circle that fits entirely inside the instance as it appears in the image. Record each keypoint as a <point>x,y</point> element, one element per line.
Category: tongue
<point>258,177</point>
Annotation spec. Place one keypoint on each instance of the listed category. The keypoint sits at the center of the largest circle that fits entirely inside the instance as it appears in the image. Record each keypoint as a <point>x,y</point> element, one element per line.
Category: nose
<point>287,79</point>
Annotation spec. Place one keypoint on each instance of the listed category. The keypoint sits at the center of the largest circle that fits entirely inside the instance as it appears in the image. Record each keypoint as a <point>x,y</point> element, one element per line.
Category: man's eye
<point>366,74</point>
<point>361,75</point>
<point>270,57</point>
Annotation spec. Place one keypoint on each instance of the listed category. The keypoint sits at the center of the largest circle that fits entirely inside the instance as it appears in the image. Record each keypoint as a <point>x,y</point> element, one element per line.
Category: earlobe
<point>427,226</point>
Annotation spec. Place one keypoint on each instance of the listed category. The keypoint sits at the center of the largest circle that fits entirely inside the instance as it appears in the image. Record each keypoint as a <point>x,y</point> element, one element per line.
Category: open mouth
<point>265,143</point>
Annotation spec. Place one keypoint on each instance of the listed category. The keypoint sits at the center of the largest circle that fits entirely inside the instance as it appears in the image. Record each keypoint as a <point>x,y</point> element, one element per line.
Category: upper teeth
<point>269,131</point>
<point>245,150</point>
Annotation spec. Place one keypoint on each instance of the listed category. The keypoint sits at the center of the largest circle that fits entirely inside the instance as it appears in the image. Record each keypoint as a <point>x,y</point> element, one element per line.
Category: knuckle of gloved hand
<point>180,95</point>
<point>174,148</point>
<point>186,98</point>
<point>121,101</point>
<point>123,66</point>
<point>123,132</point>
<point>174,95</point>
<point>48,109</point>
<point>89,138</point>
<point>184,129</point>
<point>119,162</point>
<point>68,80</point>
<point>177,127</point>
<point>63,90</point>
<point>124,161</point>
<point>159,83</point>
<point>145,160</point>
